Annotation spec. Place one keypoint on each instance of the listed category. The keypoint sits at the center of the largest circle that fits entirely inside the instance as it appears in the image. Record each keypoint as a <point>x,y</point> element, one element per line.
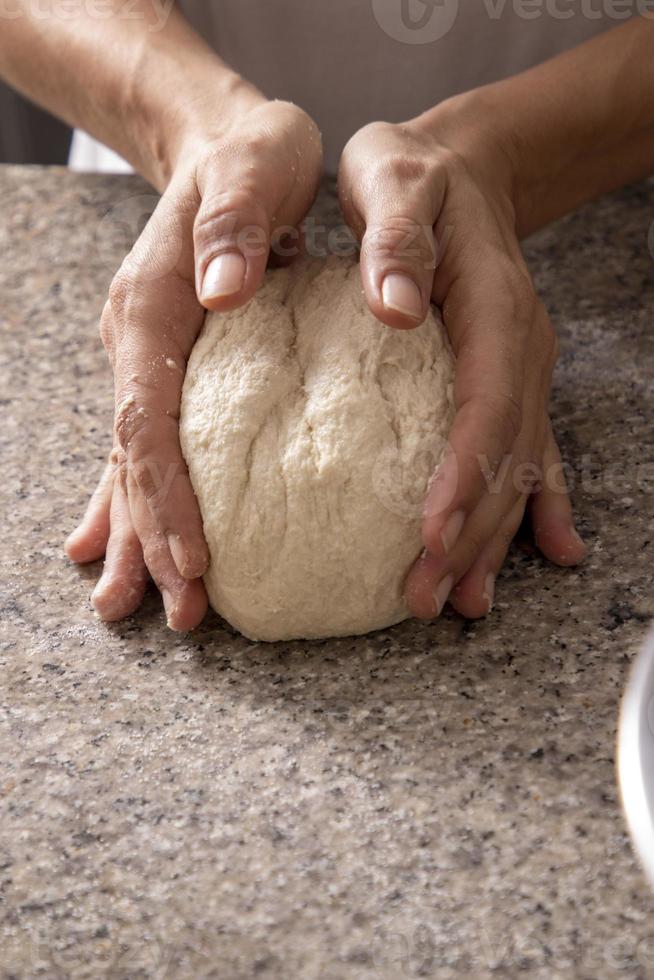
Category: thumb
<point>232,240</point>
<point>398,251</point>
<point>251,188</point>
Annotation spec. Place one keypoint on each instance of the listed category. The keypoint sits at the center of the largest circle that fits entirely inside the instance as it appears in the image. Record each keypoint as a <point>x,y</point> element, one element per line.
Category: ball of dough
<point>310,431</point>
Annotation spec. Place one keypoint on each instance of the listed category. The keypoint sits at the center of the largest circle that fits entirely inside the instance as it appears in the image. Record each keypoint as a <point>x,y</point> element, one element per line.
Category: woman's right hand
<point>205,248</point>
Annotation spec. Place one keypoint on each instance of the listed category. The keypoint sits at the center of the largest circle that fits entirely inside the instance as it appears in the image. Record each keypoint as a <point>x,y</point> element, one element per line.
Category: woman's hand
<point>205,248</point>
<point>431,202</point>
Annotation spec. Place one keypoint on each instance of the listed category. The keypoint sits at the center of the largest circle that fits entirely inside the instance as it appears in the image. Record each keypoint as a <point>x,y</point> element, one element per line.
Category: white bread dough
<point>311,431</point>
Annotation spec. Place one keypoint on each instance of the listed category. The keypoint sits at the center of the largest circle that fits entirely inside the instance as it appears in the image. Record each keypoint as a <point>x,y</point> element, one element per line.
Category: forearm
<point>570,129</point>
<point>144,84</point>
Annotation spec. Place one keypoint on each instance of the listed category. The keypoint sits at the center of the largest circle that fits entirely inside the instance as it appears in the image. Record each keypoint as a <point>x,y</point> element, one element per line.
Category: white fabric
<point>86,154</point>
<point>349,62</point>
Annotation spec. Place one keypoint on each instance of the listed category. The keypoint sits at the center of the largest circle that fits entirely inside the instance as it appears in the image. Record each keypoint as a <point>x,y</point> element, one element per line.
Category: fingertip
<point>72,546</point>
<point>113,599</point>
<point>187,609</point>
<point>561,544</point>
<point>191,562</point>
<point>85,545</point>
<point>472,601</point>
<point>420,588</point>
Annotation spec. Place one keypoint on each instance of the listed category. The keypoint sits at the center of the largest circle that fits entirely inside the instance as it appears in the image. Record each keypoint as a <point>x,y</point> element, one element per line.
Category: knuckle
<point>121,472</point>
<point>156,480</point>
<point>224,213</point>
<point>117,457</point>
<point>452,163</point>
<point>507,412</point>
<point>119,291</point>
<point>373,132</point>
<point>114,457</point>
<point>394,168</point>
<point>517,275</point>
<point>517,289</point>
<point>400,238</point>
<point>125,302</point>
<point>106,329</point>
<point>154,551</point>
<point>130,421</point>
<point>149,482</point>
<point>523,294</point>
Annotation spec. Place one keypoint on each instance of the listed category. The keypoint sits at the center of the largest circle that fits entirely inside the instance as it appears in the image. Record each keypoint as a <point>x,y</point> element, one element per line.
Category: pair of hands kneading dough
<point>311,431</point>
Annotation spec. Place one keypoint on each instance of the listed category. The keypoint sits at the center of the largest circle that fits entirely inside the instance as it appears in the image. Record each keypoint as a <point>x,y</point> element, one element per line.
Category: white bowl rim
<point>633,757</point>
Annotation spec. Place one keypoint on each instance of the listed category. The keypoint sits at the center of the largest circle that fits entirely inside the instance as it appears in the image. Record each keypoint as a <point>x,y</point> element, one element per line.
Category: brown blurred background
<point>29,135</point>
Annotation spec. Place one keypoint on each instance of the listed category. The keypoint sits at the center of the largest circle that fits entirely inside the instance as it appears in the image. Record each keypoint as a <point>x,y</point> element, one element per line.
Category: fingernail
<point>401,293</point>
<point>169,606</point>
<point>489,590</point>
<point>578,538</point>
<point>224,276</point>
<point>442,593</point>
<point>178,552</point>
<point>569,554</point>
<point>452,530</point>
<point>442,487</point>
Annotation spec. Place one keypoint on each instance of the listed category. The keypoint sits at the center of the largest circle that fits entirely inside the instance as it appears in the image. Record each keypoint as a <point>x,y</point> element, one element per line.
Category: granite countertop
<point>428,801</point>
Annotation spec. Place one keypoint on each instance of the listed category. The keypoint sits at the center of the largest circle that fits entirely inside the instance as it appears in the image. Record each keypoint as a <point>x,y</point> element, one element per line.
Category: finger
<point>390,193</point>
<point>478,462</point>
<point>551,512</point>
<point>250,192</point>
<point>150,362</point>
<point>473,595</point>
<point>490,385</point>
<point>151,442</point>
<point>121,587</point>
<point>185,601</point>
<point>89,540</point>
<point>432,578</point>
<point>397,251</point>
<point>232,242</point>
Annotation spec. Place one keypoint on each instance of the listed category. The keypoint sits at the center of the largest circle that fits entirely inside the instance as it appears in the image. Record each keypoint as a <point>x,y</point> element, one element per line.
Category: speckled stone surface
<point>429,801</point>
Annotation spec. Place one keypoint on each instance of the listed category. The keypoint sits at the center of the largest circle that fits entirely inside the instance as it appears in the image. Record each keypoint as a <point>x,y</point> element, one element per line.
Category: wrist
<point>208,115</point>
<point>171,124</point>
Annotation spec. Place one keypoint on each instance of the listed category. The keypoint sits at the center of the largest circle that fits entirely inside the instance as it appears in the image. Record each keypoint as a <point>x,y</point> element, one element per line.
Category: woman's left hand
<point>431,202</point>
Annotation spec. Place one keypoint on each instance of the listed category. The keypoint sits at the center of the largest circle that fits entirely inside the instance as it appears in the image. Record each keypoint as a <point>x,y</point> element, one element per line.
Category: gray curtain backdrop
<point>29,135</point>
